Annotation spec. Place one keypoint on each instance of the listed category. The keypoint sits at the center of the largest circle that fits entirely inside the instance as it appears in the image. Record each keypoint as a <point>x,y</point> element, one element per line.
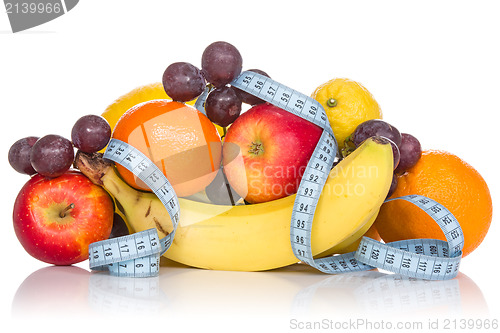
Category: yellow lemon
<point>347,104</point>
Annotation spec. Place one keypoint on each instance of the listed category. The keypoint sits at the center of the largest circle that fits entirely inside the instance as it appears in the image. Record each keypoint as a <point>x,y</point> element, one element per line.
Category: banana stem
<point>93,166</point>
<point>102,172</point>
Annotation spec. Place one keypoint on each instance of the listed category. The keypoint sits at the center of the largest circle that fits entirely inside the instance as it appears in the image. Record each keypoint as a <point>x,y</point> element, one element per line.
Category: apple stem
<point>66,210</point>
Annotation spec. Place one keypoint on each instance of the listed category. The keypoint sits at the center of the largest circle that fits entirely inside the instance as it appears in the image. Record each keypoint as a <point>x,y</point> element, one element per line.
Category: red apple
<point>56,219</point>
<point>266,151</point>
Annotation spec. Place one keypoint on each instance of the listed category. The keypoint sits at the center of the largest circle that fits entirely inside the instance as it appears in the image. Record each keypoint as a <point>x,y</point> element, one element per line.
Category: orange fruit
<point>179,139</point>
<point>138,95</point>
<point>448,180</point>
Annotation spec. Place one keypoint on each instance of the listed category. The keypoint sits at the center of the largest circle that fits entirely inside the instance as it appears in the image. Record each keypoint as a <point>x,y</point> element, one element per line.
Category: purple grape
<point>91,133</point>
<point>394,185</point>
<point>221,63</point>
<point>223,106</point>
<point>410,150</point>
<point>249,98</point>
<point>19,155</point>
<point>220,192</point>
<point>375,127</point>
<point>183,82</point>
<point>52,155</point>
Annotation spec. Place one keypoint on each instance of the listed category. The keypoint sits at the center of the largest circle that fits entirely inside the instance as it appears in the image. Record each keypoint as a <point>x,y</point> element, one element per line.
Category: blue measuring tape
<point>420,258</point>
<point>426,259</point>
<point>136,255</point>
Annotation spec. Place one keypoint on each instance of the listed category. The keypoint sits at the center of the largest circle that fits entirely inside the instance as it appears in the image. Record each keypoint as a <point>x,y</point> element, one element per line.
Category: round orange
<point>448,180</point>
<point>179,139</point>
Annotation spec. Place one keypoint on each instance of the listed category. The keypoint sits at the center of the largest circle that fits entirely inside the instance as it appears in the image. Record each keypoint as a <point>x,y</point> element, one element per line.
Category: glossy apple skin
<point>272,170</point>
<point>55,240</point>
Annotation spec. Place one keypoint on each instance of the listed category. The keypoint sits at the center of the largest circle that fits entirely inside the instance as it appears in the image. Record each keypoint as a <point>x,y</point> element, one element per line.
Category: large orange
<point>181,141</point>
<point>450,181</point>
<point>138,95</point>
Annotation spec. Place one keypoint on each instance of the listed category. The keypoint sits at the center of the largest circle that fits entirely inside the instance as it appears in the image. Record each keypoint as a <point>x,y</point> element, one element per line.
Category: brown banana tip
<point>94,166</point>
<point>381,140</point>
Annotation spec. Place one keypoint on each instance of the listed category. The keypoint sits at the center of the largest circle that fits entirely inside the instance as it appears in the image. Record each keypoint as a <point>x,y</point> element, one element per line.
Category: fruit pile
<point>236,174</point>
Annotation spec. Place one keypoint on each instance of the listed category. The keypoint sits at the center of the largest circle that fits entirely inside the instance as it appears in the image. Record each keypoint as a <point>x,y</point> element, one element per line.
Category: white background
<point>433,66</point>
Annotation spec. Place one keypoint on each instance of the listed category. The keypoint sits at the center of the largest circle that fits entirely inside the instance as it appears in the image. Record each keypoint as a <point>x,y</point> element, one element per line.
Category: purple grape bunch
<point>405,147</point>
<point>221,63</point>
<point>377,127</point>
<point>52,155</point>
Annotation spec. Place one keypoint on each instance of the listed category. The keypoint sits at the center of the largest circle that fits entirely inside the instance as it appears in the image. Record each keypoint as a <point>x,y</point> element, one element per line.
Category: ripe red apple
<point>56,219</point>
<point>266,151</point>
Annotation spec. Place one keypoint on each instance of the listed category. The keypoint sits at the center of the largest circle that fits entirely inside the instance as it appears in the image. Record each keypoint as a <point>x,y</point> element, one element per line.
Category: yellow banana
<point>257,237</point>
<point>350,244</point>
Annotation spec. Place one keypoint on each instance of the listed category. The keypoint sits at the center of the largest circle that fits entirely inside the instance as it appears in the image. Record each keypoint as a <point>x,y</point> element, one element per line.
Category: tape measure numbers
<point>429,259</point>
<point>136,255</point>
<point>426,259</point>
<point>318,167</point>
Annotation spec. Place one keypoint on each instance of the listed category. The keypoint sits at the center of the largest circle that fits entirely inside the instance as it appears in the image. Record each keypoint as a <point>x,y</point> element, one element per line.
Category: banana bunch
<point>257,237</point>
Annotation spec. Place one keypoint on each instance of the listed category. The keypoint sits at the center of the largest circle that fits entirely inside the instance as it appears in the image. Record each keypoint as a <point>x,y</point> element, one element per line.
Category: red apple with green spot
<point>56,219</point>
<point>266,151</point>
